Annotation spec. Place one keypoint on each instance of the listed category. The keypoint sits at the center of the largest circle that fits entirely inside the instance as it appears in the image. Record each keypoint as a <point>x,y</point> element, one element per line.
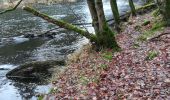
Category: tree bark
<point>61,23</point>
<point>115,11</point>
<point>167,12</point>
<point>93,12</point>
<point>106,38</point>
<point>100,14</point>
<point>132,7</point>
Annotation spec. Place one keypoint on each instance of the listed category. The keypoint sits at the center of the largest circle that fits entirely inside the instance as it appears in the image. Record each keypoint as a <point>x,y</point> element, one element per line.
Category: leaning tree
<point>104,37</point>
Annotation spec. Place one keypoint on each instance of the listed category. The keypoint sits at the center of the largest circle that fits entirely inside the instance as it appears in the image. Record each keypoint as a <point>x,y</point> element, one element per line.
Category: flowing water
<point>16,50</point>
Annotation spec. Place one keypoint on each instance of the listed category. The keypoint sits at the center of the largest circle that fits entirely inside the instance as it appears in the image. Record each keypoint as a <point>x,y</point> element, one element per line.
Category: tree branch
<point>9,10</point>
<point>156,37</point>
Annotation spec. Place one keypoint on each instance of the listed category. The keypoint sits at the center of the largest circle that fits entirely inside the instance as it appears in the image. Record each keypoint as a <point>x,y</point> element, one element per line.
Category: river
<point>16,50</point>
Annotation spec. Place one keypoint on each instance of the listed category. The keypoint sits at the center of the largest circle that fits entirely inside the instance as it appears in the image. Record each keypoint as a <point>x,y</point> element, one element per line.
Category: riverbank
<point>12,3</point>
<point>139,71</point>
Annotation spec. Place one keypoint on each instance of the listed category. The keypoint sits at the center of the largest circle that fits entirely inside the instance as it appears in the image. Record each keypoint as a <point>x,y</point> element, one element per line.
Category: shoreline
<point>105,74</point>
<point>29,2</point>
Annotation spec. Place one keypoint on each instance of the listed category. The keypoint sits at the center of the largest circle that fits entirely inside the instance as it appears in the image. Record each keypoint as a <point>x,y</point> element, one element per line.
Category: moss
<point>103,66</point>
<point>40,97</point>
<point>132,6</point>
<point>152,55</point>
<point>115,12</point>
<point>60,23</point>
<point>148,6</point>
<point>158,26</point>
<point>83,80</point>
<point>146,22</point>
<point>136,45</point>
<point>52,90</point>
<point>107,39</point>
<point>156,12</point>
<point>107,55</point>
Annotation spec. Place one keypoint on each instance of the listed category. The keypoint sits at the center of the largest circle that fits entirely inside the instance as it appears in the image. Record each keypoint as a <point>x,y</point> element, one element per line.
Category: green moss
<point>146,22</point>
<point>148,6</point>
<point>40,97</point>
<point>136,45</point>
<point>106,39</point>
<point>103,66</point>
<point>156,12</point>
<point>52,90</point>
<point>158,26</point>
<point>83,80</point>
<point>107,55</point>
<point>152,55</point>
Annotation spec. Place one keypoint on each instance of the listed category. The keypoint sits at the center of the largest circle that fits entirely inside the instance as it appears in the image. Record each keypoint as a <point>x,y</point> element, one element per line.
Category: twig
<point>9,10</point>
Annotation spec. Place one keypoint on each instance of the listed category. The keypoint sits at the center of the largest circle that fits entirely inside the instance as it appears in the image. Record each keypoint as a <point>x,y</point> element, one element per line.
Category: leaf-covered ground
<point>141,71</point>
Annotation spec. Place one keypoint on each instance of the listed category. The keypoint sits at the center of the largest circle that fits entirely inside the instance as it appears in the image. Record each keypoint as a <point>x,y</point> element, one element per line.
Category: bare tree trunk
<point>93,12</point>
<point>115,11</point>
<point>132,7</point>
<point>100,14</point>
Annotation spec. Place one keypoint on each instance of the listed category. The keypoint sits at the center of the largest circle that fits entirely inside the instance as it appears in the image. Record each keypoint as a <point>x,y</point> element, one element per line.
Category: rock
<point>18,40</point>
<point>29,35</point>
<point>49,36</point>
<point>4,69</point>
<point>167,81</point>
<point>34,71</point>
<point>41,35</point>
<point>13,40</point>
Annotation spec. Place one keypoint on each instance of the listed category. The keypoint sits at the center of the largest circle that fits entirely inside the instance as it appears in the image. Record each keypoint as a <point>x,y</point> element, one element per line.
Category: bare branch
<point>156,37</point>
<point>9,10</point>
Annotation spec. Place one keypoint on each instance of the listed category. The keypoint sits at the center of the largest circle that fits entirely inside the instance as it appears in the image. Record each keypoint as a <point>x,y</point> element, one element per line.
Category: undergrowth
<point>157,26</point>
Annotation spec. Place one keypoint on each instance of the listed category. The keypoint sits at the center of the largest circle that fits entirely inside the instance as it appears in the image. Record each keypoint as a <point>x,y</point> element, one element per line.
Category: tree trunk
<point>93,12</point>
<point>115,11</point>
<point>167,12</point>
<point>132,7</point>
<point>106,38</point>
<point>100,14</point>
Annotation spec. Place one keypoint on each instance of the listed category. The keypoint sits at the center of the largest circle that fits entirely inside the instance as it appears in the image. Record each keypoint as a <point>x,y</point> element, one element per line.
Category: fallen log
<point>61,23</point>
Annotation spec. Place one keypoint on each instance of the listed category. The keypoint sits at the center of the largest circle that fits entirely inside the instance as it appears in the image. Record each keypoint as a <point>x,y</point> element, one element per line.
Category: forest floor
<point>140,71</point>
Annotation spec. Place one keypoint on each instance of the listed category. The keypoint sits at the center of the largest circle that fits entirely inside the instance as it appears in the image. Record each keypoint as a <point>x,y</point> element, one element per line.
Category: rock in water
<point>18,40</point>
<point>34,71</point>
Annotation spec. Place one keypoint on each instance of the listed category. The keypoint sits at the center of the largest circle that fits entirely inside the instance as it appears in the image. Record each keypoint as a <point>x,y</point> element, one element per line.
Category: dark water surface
<point>15,50</point>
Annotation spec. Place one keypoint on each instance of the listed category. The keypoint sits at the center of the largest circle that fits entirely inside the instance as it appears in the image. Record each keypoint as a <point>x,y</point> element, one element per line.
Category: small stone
<point>167,81</point>
<point>94,98</point>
